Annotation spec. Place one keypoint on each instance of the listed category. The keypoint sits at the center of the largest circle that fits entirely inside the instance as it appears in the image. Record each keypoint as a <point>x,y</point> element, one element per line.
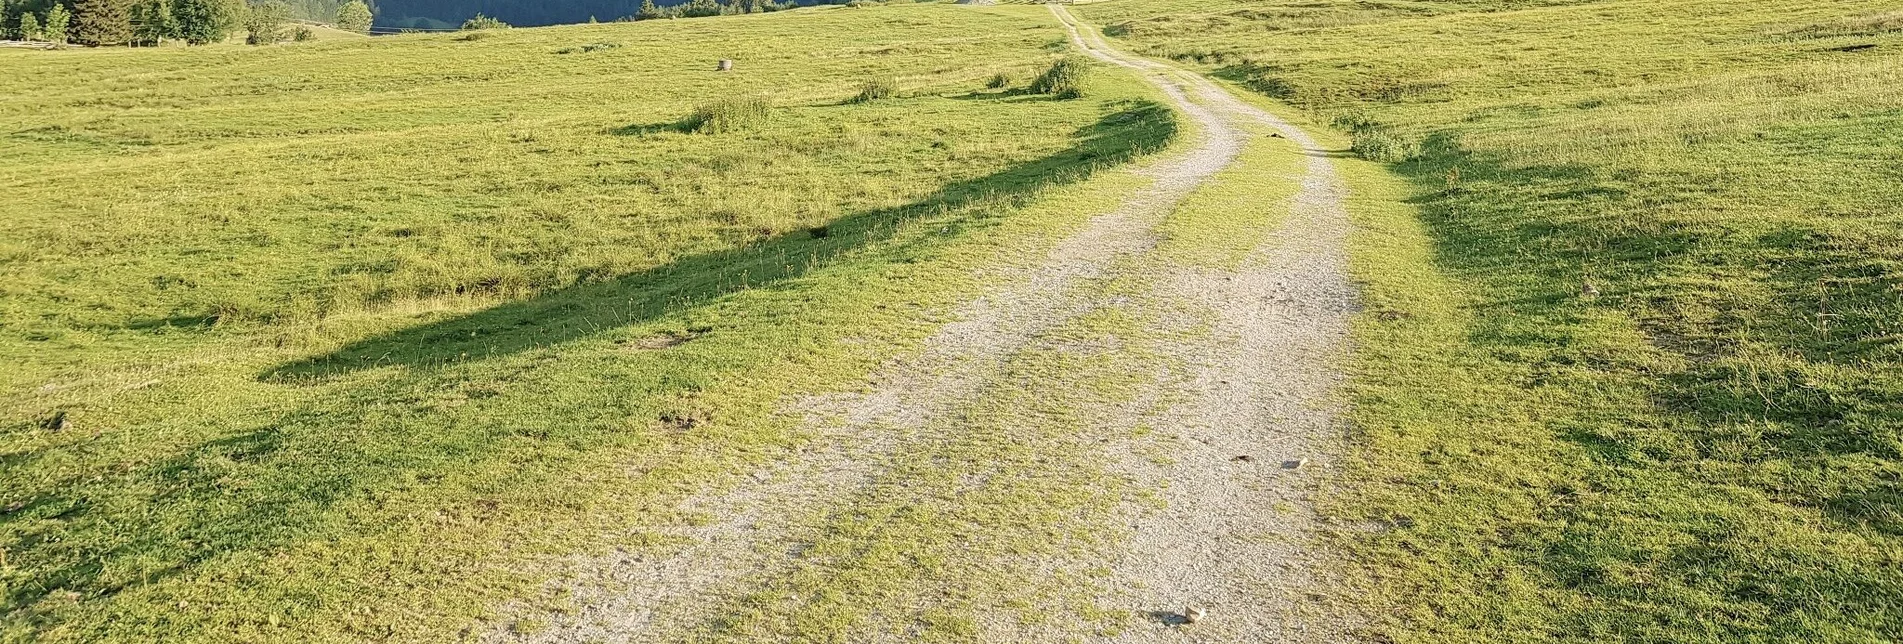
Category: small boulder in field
<point>725,65</point>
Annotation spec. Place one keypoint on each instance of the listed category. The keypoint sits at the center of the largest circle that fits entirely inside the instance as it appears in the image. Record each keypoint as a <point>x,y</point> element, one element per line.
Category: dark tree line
<point>515,12</point>
<point>151,22</point>
<point>531,13</point>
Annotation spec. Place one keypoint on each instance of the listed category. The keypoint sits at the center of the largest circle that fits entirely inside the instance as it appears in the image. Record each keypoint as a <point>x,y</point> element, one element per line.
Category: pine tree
<point>202,22</point>
<point>58,19</point>
<point>152,22</point>
<point>101,22</point>
<point>649,11</point>
<point>354,16</point>
<point>29,26</point>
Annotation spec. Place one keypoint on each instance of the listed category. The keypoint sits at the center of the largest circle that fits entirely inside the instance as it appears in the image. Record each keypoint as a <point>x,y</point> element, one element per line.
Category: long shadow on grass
<point>1726,475</point>
<point>275,481</point>
<point>588,309</point>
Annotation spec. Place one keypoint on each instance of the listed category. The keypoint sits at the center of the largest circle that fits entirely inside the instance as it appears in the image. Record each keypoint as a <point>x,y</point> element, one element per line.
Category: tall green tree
<point>58,23</point>
<point>354,16</point>
<point>29,26</point>
<point>152,22</point>
<point>264,23</point>
<point>101,22</point>
<point>649,11</point>
<point>203,22</point>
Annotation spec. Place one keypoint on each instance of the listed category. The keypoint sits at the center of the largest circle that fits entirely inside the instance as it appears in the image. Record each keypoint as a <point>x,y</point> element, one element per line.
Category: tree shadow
<point>645,129</point>
<point>1758,387</point>
<point>1007,94</point>
<point>273,482</point>
<point>1134,128</point>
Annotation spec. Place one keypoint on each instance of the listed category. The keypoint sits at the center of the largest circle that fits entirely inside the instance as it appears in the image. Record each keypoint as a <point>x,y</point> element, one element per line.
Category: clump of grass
<point>1064,78</point>
<point>999,80</point>
<point>1383,145</point>
<point>877,89</point>
<point>1374,141</point>
<point>730,114</point>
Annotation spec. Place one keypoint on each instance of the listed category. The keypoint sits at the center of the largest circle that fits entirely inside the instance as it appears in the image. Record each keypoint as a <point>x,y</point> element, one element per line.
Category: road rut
<point>1260,384</point>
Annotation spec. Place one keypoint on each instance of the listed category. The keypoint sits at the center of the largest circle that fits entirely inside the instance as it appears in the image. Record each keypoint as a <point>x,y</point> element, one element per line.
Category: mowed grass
<point>357,340</point>
<point>1632,362</point>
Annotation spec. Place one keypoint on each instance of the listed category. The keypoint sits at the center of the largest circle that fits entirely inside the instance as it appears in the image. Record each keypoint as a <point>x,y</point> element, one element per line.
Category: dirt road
<point>1216,515</point>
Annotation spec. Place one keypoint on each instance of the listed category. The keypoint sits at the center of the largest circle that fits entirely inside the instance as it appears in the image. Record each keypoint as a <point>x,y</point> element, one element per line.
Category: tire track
<point>760,523</point>
<point>1232,539</point>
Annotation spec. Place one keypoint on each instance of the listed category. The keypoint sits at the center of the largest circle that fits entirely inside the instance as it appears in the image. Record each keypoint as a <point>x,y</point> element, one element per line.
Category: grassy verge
<point>359,353</point>
<point>1629,367</point>
<point>1221,223</point>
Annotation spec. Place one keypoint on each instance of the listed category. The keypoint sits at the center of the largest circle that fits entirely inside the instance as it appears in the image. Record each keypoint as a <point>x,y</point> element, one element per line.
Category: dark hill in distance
<point>448,14</point>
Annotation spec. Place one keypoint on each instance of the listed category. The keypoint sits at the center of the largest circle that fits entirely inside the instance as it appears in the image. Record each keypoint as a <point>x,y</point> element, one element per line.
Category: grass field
<point>369,339</point>
<point>1706,445</point>
<point>344,340</point>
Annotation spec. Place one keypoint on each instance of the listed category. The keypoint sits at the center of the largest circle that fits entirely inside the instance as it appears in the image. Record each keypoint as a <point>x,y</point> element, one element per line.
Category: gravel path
<point>1231,538</point>
<point>1260,385</point>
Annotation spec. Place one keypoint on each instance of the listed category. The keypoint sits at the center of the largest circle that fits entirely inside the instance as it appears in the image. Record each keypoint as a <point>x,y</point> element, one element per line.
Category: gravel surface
<point>1230,536</point>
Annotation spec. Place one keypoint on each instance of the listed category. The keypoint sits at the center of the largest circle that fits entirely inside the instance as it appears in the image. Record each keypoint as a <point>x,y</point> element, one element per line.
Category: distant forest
<point>317,10</point>
<point>450,13</point>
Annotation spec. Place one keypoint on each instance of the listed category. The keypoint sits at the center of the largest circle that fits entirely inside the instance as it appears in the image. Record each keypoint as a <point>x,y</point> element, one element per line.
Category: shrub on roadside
<point>730,114</point>
<point>1376,142</point>
<point>999,80</point>
<point>1064,79</point>
<point>1385,146</point>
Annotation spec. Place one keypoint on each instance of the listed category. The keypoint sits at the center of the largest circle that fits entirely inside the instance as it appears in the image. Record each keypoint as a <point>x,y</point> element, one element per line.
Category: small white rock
<point>1194,614</point>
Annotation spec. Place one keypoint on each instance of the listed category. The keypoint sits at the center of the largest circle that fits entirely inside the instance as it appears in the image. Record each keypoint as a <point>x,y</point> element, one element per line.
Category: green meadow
<point>1632,364</point>
<point>365,339</point>
<point>340,341</point>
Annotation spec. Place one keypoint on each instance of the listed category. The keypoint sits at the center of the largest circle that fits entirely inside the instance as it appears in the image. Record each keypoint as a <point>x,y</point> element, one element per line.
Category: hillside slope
<point>560,335</point>
<point>1648,385</point>
<point>354,340</point>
